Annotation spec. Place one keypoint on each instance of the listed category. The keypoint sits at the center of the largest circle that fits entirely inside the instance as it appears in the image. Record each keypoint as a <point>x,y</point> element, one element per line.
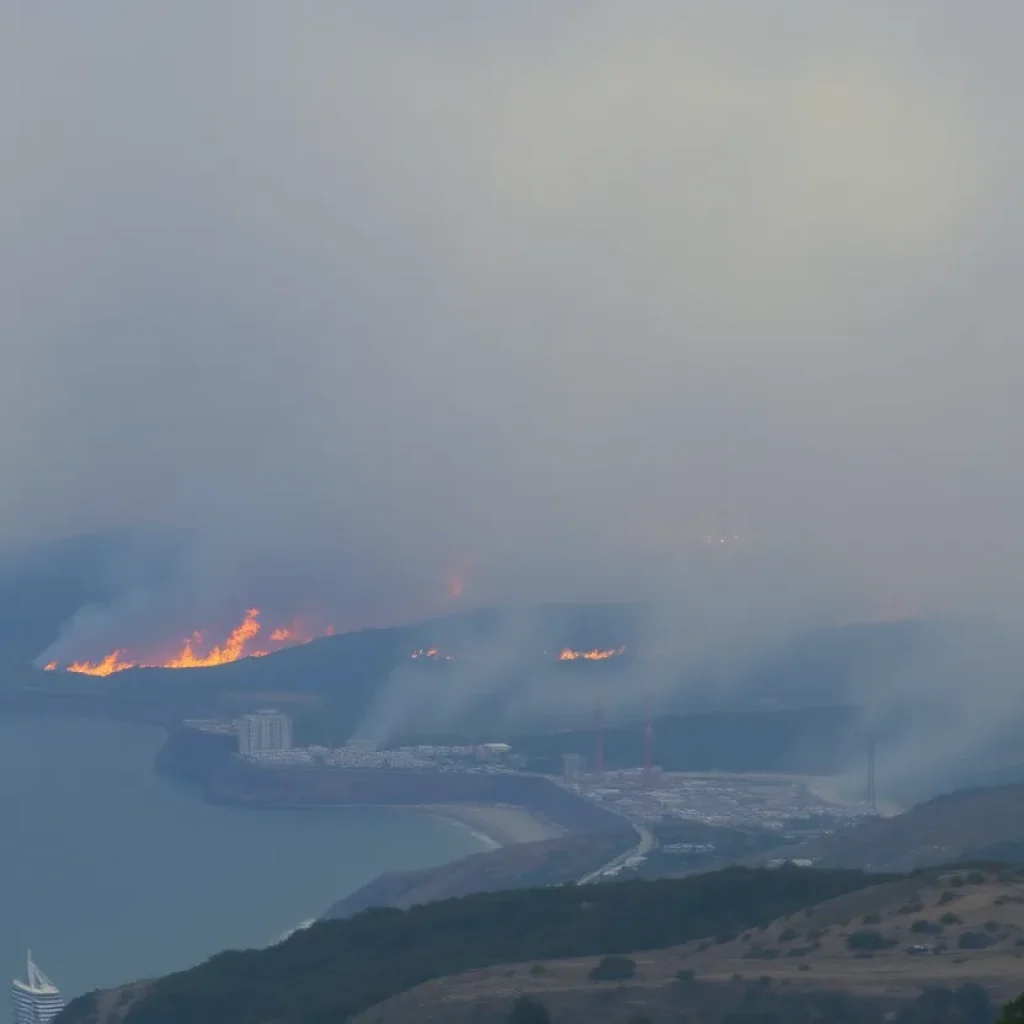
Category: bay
<point>112,873</point>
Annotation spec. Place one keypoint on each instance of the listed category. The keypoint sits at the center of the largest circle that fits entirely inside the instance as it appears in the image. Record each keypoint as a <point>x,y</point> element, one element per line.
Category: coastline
<point>495,825</point>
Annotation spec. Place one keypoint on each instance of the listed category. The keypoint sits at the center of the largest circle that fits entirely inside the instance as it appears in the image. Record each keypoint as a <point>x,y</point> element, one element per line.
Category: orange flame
<point>236,647</point>
<point>107,666</point>
<point>431,654</point>
<point>596,655</point>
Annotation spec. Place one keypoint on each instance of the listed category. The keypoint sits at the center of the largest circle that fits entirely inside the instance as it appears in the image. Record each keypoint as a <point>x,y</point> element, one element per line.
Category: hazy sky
<point>523,292</point>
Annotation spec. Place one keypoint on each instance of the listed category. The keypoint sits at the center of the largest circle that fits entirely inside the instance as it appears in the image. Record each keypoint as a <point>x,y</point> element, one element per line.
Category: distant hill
<point>850,958</point>
<point>337,968</point>
<point>942,830</point>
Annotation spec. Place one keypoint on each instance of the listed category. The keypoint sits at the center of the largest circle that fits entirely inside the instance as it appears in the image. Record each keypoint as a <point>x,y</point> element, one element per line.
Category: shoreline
<point>495,825</point>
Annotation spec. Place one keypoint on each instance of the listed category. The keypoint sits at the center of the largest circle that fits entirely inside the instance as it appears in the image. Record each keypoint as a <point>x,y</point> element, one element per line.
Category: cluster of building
<point>644,795</point>
<point>266,737</point>
<point>738,801</point>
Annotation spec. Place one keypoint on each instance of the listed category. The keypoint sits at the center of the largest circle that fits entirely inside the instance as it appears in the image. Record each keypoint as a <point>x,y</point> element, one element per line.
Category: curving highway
<point>646,844</point>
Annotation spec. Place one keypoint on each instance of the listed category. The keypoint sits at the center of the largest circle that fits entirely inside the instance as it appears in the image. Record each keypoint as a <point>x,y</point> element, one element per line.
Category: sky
<point>536,296</point>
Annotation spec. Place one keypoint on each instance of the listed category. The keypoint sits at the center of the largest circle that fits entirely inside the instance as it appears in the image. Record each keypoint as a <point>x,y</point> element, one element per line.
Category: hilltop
<point>932,946</point>
<point>966,823</point>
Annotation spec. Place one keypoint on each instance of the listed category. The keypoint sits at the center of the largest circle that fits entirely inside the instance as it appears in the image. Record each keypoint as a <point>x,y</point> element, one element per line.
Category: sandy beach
<point>497,825</point>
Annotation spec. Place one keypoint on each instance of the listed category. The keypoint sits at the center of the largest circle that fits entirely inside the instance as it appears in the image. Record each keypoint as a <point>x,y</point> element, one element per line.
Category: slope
<point>939,831</point>
<point>867,953</point>
<point>338,968</point>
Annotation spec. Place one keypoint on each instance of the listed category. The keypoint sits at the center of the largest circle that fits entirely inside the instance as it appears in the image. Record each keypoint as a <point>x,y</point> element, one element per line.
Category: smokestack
<point>872,799</point>
<point>648,746</point>
<point>598,740</point>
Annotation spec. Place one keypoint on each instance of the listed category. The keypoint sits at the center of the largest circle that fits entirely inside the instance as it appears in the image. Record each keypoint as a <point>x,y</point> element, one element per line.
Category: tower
<point>872,800</point>
<point>648,746</point>
<point>36,999</point>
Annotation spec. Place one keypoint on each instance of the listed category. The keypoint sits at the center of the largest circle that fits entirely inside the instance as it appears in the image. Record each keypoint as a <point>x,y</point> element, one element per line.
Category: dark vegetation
<point>338,968</point>
<point>519,866</point>
<point>613,968</point>
<point>869,941</point>
<point>528,1011</point>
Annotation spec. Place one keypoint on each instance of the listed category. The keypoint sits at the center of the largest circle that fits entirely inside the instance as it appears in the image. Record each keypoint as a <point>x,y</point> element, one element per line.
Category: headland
<point>506,807</point>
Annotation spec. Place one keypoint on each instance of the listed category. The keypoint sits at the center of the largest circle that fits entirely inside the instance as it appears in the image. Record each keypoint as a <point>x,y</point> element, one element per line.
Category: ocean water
<point>111,873</point>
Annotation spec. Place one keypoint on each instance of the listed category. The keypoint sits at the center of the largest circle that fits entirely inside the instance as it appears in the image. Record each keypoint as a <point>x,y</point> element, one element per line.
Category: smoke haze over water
<point>532,301</point>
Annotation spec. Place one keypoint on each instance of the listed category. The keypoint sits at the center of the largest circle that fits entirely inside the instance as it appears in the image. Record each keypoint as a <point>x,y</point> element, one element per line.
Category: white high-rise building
<point>36,999</point>
<point>264,732</point>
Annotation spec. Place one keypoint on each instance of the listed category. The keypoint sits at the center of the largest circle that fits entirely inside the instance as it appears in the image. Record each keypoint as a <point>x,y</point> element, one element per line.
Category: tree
<point>973,1002</point>
<point>1013,1012</point>
<point>613,968</point>
<point>528,1011</point>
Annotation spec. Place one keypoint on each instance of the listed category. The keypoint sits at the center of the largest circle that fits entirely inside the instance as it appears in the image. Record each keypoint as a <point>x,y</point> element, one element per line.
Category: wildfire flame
<point>431,654</point>
<point>237,646</point>
<point>596,655</point>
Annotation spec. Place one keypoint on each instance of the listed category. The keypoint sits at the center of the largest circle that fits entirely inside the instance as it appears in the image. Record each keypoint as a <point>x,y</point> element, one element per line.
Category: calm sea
<point>111,873</point>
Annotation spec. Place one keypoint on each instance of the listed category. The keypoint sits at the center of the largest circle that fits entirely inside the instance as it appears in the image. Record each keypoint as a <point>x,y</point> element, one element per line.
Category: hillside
<point>521,866</point>
<point>338,968</point>
<point>943,830</point>
<point>847,957</point>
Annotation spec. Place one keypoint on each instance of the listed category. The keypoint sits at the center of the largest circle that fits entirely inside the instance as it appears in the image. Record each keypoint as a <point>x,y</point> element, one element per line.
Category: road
<point>644,847</point>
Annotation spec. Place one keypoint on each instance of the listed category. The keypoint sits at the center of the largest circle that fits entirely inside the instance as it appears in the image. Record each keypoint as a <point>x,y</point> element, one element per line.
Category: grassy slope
<point>806,952</point>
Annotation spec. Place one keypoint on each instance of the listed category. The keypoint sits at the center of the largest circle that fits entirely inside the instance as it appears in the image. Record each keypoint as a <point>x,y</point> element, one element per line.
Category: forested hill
<point>338,968</point>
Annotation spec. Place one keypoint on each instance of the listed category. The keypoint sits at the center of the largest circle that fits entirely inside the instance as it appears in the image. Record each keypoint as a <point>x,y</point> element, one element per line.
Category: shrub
<point>872,919</point>
<point>787,935</point>
<point>975,878</point>
<point>613,968</point>
<point>868,940</point>
<point>950,918</point>
<point>686,975</point>
<point>761,954</point>
<point>803,967</point>
<point>946,897</point>
<point>974,940</point>
<point>957,881</point>
<point>528,1011</point>
<point>923,927</point>
<point>992,926</point>
<point>538,969</point>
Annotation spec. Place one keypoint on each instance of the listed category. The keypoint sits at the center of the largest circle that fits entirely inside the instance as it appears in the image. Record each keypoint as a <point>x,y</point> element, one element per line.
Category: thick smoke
<point>535,299</point>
